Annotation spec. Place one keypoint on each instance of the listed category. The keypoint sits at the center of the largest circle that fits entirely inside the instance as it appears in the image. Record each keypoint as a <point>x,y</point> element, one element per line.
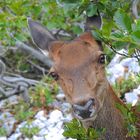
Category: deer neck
<point>110,118</point>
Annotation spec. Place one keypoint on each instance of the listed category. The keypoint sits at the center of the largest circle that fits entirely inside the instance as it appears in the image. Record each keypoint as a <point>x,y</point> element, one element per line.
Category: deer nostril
<point>85,110</point>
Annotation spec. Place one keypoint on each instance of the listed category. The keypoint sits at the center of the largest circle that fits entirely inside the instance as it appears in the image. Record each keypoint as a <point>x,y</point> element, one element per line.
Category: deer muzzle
<point>84,111</point>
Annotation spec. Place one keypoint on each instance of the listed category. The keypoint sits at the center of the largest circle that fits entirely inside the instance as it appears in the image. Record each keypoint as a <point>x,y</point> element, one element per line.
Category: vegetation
<point>29,131</point>
<point>130,120</point>
<point>24,111</point>
<point>2,132</point>
<point>118,29</point>
<point>42,95</point>
<point>126,85</point>
<point>75,130</point>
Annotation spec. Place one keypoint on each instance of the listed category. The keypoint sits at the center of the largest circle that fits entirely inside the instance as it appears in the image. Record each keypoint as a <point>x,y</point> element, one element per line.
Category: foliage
<point>2,132</point>
<point>14,19</point>
<point>119,30</point>
<point>126,85</point>
<point>75,129</point>
<point>29,131</point>
<point>130,120</point>
<point>24,111</point>
<point>42,95</point>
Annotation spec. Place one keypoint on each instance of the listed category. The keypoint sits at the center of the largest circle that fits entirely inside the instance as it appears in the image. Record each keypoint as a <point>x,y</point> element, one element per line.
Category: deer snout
<point>85,110</point>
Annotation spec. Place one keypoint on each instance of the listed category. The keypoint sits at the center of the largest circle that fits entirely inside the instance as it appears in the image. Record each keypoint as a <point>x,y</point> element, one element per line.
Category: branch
<point>43,70</point>
<point>44,59</point>
<point>135,8</point>
<point>15,84</point>
<point>136,53</point>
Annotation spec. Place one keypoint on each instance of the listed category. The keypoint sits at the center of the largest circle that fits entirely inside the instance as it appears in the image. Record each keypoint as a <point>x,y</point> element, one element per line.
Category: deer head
<point>78,68</point>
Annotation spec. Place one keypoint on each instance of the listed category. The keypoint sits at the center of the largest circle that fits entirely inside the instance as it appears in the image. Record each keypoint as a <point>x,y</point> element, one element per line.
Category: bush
<point>75,130</point>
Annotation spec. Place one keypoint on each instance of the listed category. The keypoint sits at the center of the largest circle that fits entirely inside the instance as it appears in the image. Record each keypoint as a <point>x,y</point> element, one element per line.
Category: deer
<point>79,69</point>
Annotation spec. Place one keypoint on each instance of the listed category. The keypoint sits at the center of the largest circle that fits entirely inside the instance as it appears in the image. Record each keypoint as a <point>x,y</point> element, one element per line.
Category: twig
<point>37,67</point>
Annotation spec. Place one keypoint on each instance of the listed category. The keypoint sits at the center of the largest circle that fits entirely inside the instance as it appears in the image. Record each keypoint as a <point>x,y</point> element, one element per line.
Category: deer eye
<point>54,75</point>
<point>102,58</point>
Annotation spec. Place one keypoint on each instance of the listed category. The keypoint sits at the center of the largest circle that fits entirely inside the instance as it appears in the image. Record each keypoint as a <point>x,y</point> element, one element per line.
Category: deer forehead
<point>76,54</point>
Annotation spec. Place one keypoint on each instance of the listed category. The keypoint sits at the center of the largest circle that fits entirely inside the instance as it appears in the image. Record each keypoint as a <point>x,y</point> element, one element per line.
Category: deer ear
<point>93,22</point>
<point>40,35</point>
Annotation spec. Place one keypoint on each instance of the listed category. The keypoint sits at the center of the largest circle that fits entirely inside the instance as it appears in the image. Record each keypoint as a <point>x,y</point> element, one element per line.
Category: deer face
<point>78,68</point>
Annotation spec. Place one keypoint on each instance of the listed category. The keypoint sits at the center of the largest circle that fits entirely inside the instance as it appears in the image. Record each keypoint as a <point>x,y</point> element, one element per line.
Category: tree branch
<point>38,55</point>
<point>135,8</point>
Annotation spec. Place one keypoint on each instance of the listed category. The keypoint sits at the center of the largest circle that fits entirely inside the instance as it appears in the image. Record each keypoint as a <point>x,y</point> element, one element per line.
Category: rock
<point>8,122</point>
<point>133,97</point>
<point>9,101</point>
<point>60,96</point>
<point>66,107</point>
<point>3,138</point>
<point>15,136</point>
<point>55,134</point>
<point>41,116</point>
<point>55,116</point>
<point>117,58</point>
<point>20,126</point>
<point>115,72</point>
<point>118,65</point>
<point>38,138</point>
<point>38,123</point>
<point>132,64</point>
<point>43,132</point>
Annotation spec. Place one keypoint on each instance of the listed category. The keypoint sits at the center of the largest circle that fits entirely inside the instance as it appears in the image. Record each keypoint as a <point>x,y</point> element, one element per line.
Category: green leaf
<point>97,35</point>
<point>77,29</point>
<point>117,34</point>
<point>75,129</point>
<point>136,36</point>
<point>137,25</point>
<point>123,21</point>
<point>91,10</point>
<point>123,110</point>
<point>107,27</point>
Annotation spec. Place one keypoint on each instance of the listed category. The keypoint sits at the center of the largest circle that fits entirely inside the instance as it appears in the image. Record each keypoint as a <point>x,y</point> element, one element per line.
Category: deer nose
<point>84,111</point>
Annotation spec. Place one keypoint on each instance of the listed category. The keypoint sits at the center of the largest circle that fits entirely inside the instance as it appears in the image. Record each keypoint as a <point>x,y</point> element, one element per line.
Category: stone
<point>55,134</point>
<point>39,114</point>
<point>15,136</point>
<point>66,107</point>
<point>20,126</point>
<point>38,138</point>
<point>55,116</point>
<point>60,96</point>
<point>38,123</point>
<point>8,122</point>
<point>43,132</point>
<point>3,138</point>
